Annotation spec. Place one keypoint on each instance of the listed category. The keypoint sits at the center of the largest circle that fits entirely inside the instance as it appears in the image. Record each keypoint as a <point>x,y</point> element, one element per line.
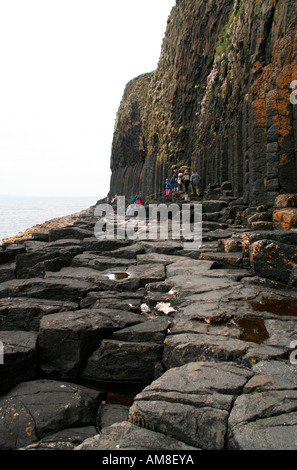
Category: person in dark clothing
<point>186,180</point>
<point>194,182</point>
<point>174,183</point>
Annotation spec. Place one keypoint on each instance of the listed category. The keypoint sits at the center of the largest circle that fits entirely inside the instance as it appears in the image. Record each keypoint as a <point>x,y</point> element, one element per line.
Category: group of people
<point>136,200</point>
<point>181,181</point>
<point>111,199</point>
<point>133,203</point>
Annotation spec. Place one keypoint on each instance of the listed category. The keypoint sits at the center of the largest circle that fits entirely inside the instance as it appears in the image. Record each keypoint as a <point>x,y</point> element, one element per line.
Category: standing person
<point>174,182</point>
<point>186,180</point>
<point>167,187</point>
<point>180,180</point>
<point>194,182</point>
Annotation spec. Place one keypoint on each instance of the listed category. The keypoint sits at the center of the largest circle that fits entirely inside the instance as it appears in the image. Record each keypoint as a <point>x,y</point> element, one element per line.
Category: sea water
<point>20,213</point>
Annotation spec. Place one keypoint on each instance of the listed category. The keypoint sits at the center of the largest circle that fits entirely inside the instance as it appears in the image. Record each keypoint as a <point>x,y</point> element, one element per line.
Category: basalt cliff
<point>221,101</point>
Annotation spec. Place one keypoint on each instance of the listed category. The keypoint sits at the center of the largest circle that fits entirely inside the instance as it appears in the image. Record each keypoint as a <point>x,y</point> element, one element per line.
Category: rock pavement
<point>141,344</point>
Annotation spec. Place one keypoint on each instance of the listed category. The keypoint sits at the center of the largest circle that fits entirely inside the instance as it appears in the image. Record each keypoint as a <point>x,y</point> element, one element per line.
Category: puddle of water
<point>281,307</point>
<point>117,393</point>
<point>118,276</point>
<point>252,329</point>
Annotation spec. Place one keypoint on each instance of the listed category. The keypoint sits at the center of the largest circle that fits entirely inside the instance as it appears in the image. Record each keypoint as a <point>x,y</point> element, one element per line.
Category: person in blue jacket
<point>167,187</point>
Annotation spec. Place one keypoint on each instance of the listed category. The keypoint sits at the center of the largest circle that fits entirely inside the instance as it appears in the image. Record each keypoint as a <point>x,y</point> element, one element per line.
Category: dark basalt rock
<point>125,362</point>
<point>68,439</point>
<point>49,258</point>
<point>66,340</point>
<point>55,289</point>
<point>69,232</point>
<point>18,354</point>
<point>24,313</point>
<point>60,405</point>
<point>154,330</point>
<point>7,272</point>
<point>273,260</point>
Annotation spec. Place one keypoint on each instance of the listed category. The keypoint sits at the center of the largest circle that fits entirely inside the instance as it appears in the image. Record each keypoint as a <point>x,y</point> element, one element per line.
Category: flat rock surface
<point>67,439</point>
<point>192,402</point>
<point>124,361</point>
<point>207,343</point>
<point>39,408</point>
<point>126,436</point>
<point>24,313</point>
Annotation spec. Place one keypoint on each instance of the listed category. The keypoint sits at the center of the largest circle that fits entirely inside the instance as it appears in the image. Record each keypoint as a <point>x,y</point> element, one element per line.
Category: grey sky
<point>64,66</point>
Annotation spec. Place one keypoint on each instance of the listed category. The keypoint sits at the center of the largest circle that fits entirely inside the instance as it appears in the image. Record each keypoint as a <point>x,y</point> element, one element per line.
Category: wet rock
<point>188,267</point>
<point>168,247</point>
<point>41,236</point>
<point>101,263</point>
<point>198,282</point>
<point>213,206</point>
<point>264,416</point>
<point>7,272</point>
<point>67,439</point>
<point>153,330</point>
<point>124,361</point>
<point>121,318</point>
<point>115,278</point>
<point>100,246</point>
<point>198,415</point>
<point>273,260</point>
<point>69,232</point>
<point>5,256</point>
<point>52,258</point>
<point>194,325</point>
<point>67,339</point>
<point>129,301</point>
<point>71,290</point>
<point>60,405</point>
<point>147,273</point>
<point>110,414</point>
<point>128,252</point>
<point>19,358</point>
<point>127,436</point>
<point>25,313</point>
<point>158,258</point>
<point>208,226</point>
<point>217,234</point>
<point>15,249</point>
<point>224,260</point>
<point>184,348</point>
<point>100,280</point>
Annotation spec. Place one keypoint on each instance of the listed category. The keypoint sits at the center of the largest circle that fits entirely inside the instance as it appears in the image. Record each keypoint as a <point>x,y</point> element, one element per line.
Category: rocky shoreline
<point>48,225</point>
<point>126,344</point>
